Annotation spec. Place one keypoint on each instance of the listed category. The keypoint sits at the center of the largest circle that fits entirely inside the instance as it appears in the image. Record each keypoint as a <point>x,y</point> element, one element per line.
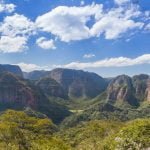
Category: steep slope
<point>51,88</point>
<point>35,75</point>
<point>106,111</point>
<point>19,131</point>
<point>17,93</point>
<point>77,83</point>
<point>11,68</point>
<point>125,99</point>
<point>141,85</point>
<point>121,90</point>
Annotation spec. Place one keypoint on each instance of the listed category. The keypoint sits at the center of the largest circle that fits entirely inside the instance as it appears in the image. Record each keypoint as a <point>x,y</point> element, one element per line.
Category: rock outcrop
<point>51,88</point>
<point>77,83</point>
<point>120,90</point>
<point>11,68</point>
<point>17,93</point>
<point>131,90</point>
<point>35,75</point>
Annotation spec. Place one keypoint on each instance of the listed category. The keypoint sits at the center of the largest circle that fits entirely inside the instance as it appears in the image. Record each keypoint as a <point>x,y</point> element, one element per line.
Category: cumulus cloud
<point>45,44</point>
<point>15,31</point>
<point>147,27</point>
<point>116,22</point>
<point>10,44</point>
<point>16,25</point>
<point>88,55</point>
<point>30,67</point>
<point>110,62</point>
<point>6,7</point>
<point>69,23</point>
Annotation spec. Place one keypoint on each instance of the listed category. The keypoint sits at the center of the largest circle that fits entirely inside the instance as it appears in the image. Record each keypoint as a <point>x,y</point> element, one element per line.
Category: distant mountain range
<point>40,90</point>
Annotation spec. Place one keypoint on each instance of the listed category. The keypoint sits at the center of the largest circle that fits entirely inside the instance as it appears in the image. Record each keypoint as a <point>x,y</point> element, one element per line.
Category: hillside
<point>17,93</point>
<point>76,84</point>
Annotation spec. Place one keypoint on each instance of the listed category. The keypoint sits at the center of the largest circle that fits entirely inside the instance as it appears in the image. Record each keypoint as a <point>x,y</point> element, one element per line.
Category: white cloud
<point>69,23</point>
<point>147,27</point>
<point>45,44</point>
<point>17,25</point>
<point>88,55</point>
<point>110,62</point>
<point>15,31</point>
<point>116,22</point>
<point>12,44</point>
<point>6,7</point>
<point>30,67</point>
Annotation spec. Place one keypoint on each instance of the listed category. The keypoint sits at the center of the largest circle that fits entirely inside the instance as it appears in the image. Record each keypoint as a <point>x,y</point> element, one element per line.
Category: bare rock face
<point>17,93</point>
<point>132,90</point>
<point>11,68</point>
<point>35,75</point>
<point>13,90</point>
<point>51,88</point>
<point>148,90</point>
<point>141,86</point>
<point>79,84</point>
<point>121,90</point>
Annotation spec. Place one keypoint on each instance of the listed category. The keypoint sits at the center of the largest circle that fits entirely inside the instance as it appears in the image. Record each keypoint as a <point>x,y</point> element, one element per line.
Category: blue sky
<point>109,37</point>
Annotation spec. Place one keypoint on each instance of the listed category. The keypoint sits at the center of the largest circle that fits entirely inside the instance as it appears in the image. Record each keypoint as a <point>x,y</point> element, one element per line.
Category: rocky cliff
<point>17,93</point>
<point>126,89</point>
<point>51,88</point>
<point>78,83</point>
<point>11,68</point>
<point>35,75</point>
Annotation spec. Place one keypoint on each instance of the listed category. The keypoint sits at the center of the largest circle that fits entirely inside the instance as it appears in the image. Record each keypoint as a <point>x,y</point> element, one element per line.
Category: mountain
<point>35,75</point>
<point>131,90</point>
<point>51,88</point>
<point>68,83</point>
<point>141,84</point>
<point>78,83</point>
<point>17,93</point>
<point>11,68</point>
<point>124,99</point>
<point>121,90</point>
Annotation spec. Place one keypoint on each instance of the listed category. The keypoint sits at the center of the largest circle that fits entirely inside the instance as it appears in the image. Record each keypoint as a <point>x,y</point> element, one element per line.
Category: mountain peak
<point>11,68</point>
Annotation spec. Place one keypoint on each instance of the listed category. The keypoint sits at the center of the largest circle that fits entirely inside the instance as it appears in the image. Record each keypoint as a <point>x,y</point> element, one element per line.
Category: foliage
<point>89,135</point>
<point>18,131</point>
<point>134,136</point>
<point>109,135</point>
<point>107,111</point>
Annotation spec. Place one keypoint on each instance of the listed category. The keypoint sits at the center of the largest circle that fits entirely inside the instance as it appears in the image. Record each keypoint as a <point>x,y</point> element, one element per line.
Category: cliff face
<point>51,88</point>
<point>132,90</point>
<point>79,84</point>
<point>120,89</point>
<point>13,90</point>
<point>141,85</point>
<point>35,75</point>
<point>11,68</point>
<point>17,93</point>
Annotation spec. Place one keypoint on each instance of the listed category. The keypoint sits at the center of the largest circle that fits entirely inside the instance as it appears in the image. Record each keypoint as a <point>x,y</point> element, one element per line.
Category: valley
<point>75,109</point>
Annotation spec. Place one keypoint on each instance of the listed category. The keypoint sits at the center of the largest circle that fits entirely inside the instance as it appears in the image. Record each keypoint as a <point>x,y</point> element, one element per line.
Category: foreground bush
<point>134,136</point>
<point>18,131</point>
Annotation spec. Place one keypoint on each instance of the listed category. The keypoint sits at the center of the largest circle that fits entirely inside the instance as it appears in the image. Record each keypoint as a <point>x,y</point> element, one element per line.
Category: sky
<point>108,37</point>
